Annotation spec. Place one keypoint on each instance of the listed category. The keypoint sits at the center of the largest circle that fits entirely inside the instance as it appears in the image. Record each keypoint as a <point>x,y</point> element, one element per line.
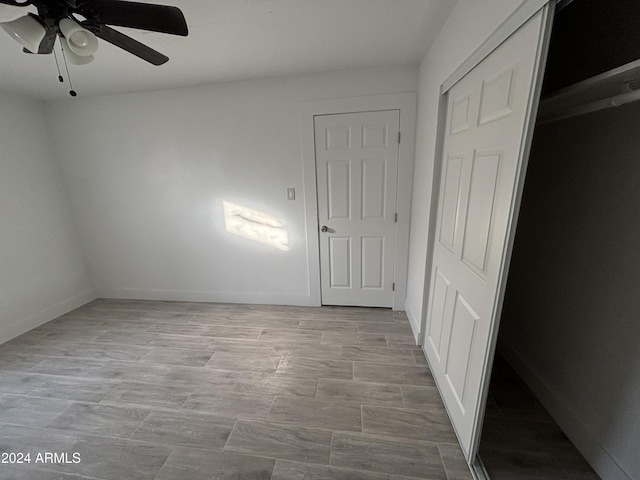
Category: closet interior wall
<point>570,317</point>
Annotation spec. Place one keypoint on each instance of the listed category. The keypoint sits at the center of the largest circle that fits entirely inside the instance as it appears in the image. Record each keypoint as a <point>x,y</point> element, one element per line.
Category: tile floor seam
<point>71,403</point>
<point>566,473</point>
<point>145,355</point>
<point>279,363</point>
<point>224,448</point>
<point>95,341</point>
<point>252,455</point>
<point>321,429</point>
<point>113,403</point>
<point>273,400</point>
<point>54,376</point>
<point>164,463</point>
<point>55,342</point>
<point>411,441</point>
<point>444,465</point>
<point>54,472</point>
<point>315,393</point>
<point>78,433</point>
<point>140,425</point>
<point>331,448</point>
<point>54,398</point>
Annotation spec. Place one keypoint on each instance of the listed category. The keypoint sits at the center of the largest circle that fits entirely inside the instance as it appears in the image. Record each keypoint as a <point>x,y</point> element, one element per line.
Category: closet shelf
<point>607,90</point>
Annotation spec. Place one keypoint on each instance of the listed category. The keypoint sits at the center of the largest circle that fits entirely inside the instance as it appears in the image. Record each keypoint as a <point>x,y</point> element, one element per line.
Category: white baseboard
<point>579,434</point>
<point>413,321</point>
<point>23,325</point>
<point>258,298</point>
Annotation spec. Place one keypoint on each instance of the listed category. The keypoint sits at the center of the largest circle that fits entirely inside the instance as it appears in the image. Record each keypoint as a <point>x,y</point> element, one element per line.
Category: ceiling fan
<point>79,22</point>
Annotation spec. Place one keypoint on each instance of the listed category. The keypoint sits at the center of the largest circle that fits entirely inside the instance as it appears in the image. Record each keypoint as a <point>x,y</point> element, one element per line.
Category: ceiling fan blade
<point>144,16</point>
<point>130,45</point>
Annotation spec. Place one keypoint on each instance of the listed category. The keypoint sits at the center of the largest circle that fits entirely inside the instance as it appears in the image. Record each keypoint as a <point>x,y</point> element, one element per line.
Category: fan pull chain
<point>72,92</point>
<point>55,55</point>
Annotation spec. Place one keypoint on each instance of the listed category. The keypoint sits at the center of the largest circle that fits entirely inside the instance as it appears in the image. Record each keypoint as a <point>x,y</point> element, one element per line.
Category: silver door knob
<point>324,229</point>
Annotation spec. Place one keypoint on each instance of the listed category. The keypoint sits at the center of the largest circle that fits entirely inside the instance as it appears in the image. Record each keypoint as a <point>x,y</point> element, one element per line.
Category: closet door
<point>489,111</point>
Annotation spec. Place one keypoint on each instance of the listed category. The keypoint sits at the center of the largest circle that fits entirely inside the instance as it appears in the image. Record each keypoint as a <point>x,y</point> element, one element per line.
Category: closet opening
<point>562,404</point>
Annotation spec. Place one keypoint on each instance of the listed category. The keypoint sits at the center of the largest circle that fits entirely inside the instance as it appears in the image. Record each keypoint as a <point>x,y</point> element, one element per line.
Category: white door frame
<point>406,103</point>
<point>526,10</point>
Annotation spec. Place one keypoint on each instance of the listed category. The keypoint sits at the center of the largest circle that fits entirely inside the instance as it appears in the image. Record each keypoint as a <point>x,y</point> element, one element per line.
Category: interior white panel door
<point>356,171</point>
<point>484,144</point>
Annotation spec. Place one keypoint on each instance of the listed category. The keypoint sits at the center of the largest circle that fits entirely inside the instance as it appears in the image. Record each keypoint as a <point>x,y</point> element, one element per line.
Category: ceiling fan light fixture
<point>79,41</point>
<point>26,30</point>
<point>79,24</point>
<point>71,56</point>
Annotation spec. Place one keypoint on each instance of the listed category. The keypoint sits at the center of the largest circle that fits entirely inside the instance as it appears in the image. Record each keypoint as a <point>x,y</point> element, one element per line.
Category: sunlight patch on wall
<point>255,225</point>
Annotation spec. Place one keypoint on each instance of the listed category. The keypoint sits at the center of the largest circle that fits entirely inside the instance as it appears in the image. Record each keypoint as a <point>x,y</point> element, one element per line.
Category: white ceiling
<point>240,39</point>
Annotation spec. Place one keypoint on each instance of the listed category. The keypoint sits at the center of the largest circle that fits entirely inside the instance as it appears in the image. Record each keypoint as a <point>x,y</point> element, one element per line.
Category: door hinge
<point>393,287</point>
<point>396,218</point>
<point>399,136</point>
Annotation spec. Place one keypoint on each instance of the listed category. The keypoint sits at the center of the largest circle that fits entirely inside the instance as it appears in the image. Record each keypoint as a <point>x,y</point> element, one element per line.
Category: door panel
<point>484,138</point>
<point>372,262</point>
<point>338,138</point>
<point>373,188</point>
<point>438,312</point>
<point>463,326</point>
<point>339,189</point>
<point>496,96</point>
<point>450,196</point>
<point>480,209</point>
<point>356,171</point>
<point>340,262</point>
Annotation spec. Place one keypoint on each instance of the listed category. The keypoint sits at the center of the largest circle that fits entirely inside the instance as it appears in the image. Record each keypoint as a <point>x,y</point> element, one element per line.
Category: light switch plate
<point>291,193</point>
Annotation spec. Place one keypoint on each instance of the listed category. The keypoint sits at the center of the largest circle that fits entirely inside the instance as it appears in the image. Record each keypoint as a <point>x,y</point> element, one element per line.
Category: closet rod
<point>615,101</point>
<point>561,4</point>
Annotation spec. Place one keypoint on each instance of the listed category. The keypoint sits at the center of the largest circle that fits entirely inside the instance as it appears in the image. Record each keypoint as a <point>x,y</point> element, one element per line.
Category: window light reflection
<point>255,225</point>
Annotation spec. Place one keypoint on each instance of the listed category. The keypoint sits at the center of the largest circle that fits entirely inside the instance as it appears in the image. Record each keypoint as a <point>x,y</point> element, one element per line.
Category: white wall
<point>470,23</point>
<point>147,174</point>
<point>43,273</point>
<point>570,318</point>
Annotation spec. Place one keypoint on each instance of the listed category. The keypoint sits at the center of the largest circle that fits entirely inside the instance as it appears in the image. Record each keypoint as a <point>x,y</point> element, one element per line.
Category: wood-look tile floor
<point>520,440</point>
<point>147,390</point>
